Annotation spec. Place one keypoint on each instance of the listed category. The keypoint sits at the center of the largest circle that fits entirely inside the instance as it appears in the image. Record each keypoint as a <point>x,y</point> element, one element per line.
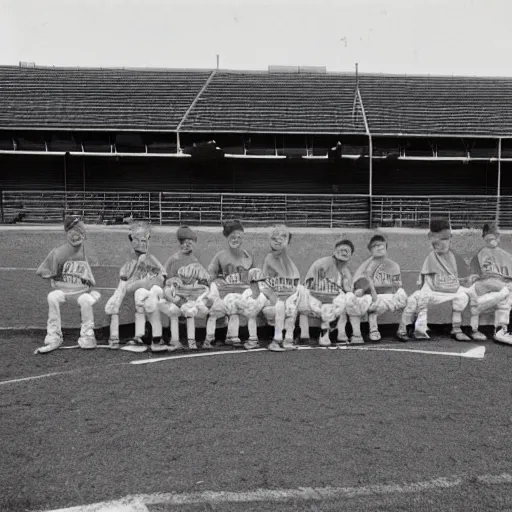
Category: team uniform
<point>143,275</point>
<point>283,291</point>
<point>186,293</point>
<point>440,280</point>
<point>328,284</point>
<point>72,280</point>
<point>233,295</point>
<point>492,266</point>
<point>391,297</point>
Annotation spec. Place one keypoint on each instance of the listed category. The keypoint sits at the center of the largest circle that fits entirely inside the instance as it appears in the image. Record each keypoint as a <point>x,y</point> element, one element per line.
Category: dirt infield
<point>100,429</point>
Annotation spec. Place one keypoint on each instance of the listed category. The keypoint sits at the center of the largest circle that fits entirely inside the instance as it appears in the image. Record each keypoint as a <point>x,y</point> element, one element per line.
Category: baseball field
<point>388,427</point>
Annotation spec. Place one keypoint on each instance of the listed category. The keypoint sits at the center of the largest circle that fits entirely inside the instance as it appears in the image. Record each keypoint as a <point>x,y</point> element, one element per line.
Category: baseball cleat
<point>420,335</point>
<point>403,337</point>
<point>49,347</point>
<point>159,346</point>
<point>324,341</point>
<point>87,342</point>
<point>356,340</point>
<point>251,344</point>
<point>375,336</point>
<point>175,345</point>
<point>289,345</point>
<point>275,347</point>
<point>207,345</point>
<point>460,336</point>
<point>113,343</point>
<point>478,336</point>
<point>502,336</point>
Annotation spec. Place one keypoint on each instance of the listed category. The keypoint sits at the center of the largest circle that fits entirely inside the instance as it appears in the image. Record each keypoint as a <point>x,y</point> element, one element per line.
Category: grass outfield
<point>23,302</point>
<point>101,429</point>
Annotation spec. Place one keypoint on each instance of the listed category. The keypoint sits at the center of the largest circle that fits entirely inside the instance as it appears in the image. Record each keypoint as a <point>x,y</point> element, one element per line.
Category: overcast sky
<point>459,37</point>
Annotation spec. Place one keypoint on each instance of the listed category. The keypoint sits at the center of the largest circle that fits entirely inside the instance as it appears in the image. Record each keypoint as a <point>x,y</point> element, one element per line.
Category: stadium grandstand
<point>297,145</point>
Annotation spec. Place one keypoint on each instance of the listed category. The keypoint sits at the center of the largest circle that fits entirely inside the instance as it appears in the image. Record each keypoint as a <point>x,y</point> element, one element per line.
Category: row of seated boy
<point>232,287</point>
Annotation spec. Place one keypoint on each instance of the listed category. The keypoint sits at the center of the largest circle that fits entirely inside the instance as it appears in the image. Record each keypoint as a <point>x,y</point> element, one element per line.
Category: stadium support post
<point>498,191</point>
<point>66,183</point>
<point>2,206</point>
<point>370,158</point>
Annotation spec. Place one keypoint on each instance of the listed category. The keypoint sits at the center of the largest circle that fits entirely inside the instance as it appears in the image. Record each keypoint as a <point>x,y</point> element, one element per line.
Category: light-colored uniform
<point>326,296</point>
<point>186,293</point>
<point>440,282</point>
<point>232,294</point>
<point>72,280</point>
<point>284,292</point>
<point>144,267</point>
<point>386,276</point>
<point>492,291</point>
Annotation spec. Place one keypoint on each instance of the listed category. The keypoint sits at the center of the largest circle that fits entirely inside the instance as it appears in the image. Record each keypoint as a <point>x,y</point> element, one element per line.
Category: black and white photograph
<point>255,256</point>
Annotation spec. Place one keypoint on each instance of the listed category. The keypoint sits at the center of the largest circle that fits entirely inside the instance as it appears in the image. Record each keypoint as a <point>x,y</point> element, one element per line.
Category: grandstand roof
<point>276,102</point>
<point>107,99</point>
<point>251,101</point>
<point>437,105</point>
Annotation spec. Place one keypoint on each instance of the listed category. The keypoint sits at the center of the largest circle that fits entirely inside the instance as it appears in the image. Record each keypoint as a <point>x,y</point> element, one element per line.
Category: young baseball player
<point>443,278</point>
<point>233,276</point>
<point>327,284</point>
<point>492,268</point>
<point>282,288</point>
<point>67,269</point>
<point>384,279</point>
<point>143,275</point>
<point>186,289</point>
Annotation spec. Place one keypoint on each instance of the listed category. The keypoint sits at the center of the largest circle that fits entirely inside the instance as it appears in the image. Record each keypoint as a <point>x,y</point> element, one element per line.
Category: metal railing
<point>193,208</point>
<point>463,211</point>
<point>300,210</point>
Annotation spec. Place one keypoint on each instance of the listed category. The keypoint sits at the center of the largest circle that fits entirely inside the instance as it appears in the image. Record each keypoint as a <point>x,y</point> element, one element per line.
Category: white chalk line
<point>56,374</point>
<point>201,354</point>
<point>139,502</point>
<point>473,353</point>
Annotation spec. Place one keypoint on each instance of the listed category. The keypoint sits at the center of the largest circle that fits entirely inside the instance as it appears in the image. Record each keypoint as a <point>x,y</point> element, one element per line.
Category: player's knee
<point>86,300</point>
<point>189,309</point>
<point>157,291</point>
<point>269,312</point>
<point>460,302</point>
<point>56,296</point>
<point>172,310</point>
<point>412,302</point>
<point>140,296</point>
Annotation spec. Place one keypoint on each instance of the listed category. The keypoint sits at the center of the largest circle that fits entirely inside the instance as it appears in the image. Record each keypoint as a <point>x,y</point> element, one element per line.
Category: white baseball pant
<point>86,302</point>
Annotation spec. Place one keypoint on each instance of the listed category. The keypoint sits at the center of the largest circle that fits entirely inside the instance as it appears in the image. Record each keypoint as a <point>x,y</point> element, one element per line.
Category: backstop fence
<point>300,210</point>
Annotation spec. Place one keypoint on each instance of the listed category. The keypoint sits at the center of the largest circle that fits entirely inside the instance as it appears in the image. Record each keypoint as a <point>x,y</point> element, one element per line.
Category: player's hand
<point>472,279</point>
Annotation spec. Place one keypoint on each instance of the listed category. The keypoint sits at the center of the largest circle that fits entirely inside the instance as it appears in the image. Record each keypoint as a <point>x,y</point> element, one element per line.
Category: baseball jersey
<point>145,266</point>
<point>68,269</point>
<point>282,273</point>
<point>385,273</point>
<point>177,261</point>
<point>234,270</point>
<point>495,262</point>
<point>324,276</point>
<point>193,276</point>
<point>445,271</point>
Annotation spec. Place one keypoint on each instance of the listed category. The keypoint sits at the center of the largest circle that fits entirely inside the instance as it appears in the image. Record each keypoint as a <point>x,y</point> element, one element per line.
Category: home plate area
<point>387,426</point>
